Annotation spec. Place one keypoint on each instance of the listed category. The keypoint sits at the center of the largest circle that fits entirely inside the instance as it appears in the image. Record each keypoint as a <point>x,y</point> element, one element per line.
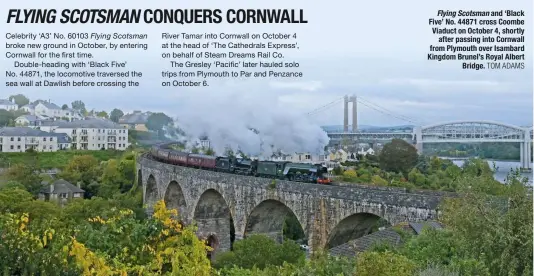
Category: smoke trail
<point>248,122</point>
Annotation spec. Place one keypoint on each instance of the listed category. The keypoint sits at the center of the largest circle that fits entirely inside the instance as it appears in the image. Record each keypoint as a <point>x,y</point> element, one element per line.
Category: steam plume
<point>248,122</point>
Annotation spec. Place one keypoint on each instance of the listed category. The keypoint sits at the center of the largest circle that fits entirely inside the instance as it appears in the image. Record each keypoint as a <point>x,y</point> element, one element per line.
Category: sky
<point>375,50</point>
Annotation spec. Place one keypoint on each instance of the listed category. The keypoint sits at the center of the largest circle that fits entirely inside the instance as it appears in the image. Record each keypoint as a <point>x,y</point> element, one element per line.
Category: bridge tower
<point>353,100</point>
<point>526,152</point>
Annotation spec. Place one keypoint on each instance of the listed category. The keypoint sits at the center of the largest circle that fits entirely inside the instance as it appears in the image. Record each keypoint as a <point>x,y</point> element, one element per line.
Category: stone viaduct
<point>329,215</point>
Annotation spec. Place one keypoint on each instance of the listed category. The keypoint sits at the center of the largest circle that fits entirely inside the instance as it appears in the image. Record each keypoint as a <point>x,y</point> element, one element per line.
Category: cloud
<point>302,85</point>
<point>450,85</point>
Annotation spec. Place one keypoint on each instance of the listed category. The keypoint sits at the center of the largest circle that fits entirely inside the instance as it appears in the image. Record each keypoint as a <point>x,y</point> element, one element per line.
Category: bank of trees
<point>488,229</point>
<point>398,165</point>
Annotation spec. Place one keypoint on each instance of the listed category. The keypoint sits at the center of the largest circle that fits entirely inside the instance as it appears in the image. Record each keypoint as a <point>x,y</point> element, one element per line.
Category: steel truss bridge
<point>454,132</point>
<point>445,132</point>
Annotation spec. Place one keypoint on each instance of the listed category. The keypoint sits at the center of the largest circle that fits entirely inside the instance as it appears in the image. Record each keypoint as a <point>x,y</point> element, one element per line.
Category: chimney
<point>79,184</point>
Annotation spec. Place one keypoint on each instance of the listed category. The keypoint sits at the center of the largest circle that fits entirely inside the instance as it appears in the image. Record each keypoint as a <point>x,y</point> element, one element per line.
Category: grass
<point>51,160</point>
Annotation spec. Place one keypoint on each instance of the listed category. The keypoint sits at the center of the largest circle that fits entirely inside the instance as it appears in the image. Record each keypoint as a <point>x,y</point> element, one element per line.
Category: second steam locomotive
<point>300,172</point>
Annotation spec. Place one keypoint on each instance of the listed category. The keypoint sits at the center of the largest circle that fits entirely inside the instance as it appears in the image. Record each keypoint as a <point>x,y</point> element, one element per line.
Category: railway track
<point>394,190</point>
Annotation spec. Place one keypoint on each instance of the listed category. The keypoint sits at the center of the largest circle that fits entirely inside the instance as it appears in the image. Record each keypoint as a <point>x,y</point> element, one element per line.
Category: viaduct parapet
<point>329,215</point>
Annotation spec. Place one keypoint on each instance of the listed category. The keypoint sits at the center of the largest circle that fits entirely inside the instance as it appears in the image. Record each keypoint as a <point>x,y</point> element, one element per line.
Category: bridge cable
<point>385,111</point>
<point>324,107</point>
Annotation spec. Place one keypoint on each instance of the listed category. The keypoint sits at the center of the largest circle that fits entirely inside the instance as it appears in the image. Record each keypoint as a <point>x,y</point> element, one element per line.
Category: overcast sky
<point>373,49</point>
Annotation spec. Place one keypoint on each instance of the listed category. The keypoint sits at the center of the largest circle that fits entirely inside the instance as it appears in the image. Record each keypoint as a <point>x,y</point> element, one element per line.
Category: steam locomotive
<point>299,172</point>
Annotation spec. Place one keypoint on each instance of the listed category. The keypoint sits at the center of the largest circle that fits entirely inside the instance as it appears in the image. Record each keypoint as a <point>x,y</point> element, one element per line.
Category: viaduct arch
<point>328,215</point>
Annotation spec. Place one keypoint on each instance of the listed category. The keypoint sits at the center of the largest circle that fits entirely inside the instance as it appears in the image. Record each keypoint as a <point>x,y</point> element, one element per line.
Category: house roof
<point>50,105</point>
<point>29,106</point>
<point>23,131</point>
<point>419,226</point>
<point>30,118</point>
<point>388,235</point>
<point>134,118</point>
<point>6,102</point>
<point>364,243</point>
<point>62,138</point>
<point>87,123</point>
<point>60,187</point>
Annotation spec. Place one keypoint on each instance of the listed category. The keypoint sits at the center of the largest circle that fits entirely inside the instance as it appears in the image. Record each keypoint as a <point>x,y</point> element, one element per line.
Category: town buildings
<point>21,139</point>
<point>135,121</point>
<point>8,105</point>
<point>47,110</point>
<point>60,191</point>
<point>90,134</point>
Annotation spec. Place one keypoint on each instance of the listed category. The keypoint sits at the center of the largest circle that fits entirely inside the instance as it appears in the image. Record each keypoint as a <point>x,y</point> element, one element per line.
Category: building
<point>63,141</point>
<point>365,152</point>
<point>205,143</point>
<point>8,105</point>
<point>52,111</point>
<point>20,139</point>
<point>299,157</point>
<point>280,156</point>
<point>27,120</point>
<point>60,190</point>
<point>388,235</point>
<point>30,108</point>
<point>339,155</point>
<point>92,134</point>
<point>135,121</point>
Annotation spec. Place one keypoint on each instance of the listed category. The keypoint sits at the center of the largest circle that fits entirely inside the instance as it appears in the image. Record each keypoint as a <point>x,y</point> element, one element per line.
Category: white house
<point>27,120</point>
<point>20,139</point>
<point>30,108</point>
<point>364,152</point>
<point>92,134</point>
<point>280,156</point>
<point>49,110</point>
<point>8,105</point>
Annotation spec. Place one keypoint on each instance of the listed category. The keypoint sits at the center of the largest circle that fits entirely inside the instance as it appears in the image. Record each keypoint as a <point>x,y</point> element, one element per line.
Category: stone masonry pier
<point>329,215</point>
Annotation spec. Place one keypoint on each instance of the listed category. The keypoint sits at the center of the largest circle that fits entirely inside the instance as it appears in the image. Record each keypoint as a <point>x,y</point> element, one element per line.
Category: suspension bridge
<point>464,131</point>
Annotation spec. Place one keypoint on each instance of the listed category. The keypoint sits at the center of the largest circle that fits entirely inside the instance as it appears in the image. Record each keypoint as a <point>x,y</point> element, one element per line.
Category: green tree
<point>80,106</point>
<point>209,151</point>
<point>27,175</point>
<point>6,118</point>
<point>292,229</point>
<point>156,121</point>
<point>229,152</point>
<point>111,180</point>
<point>260,251</point>
<point>398,156</point>
<point>494,230</point>
<point>85,169</point>
<point>115,115</point>
<point>102,114</point>
<point>379,181</point>
<point>384,264</point>
<point>20,99</point>
<point>64,107</point>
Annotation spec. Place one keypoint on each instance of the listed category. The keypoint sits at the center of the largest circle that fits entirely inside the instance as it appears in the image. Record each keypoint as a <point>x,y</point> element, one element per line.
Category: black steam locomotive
<point>300,172</point>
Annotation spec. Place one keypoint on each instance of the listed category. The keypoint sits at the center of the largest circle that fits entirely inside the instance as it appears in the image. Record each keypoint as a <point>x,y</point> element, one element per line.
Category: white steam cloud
<point>227,120</point>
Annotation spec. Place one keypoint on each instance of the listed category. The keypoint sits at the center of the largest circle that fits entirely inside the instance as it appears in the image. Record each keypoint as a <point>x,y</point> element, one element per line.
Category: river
<point>503,168</point>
